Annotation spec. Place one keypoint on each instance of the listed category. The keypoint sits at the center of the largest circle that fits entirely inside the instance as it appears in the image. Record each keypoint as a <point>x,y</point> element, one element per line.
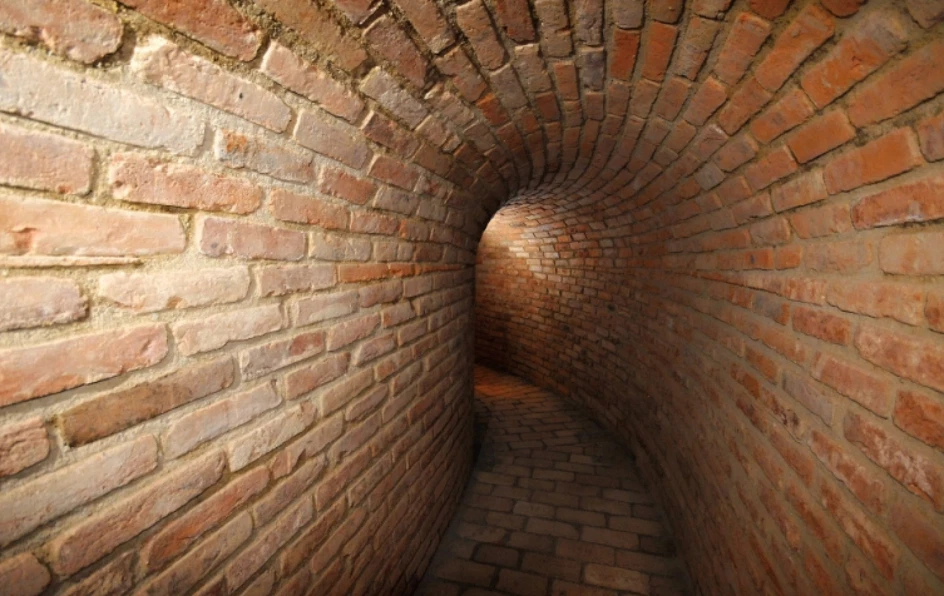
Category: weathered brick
<point>918,474</point>
<point>258,441</point>
<point>921,534</point>
<point>44,162</point>
<point>24,575</point>
<point>22,444</point>
<point>252,558</point>
<point>292,207</point>
<point>118,410</point>
<point>38,301</point>
<point>289,279</point>
<point>858,477</point>
<point>76,29</point>
<point>914,358</point>
<point>922,416</point>
<point>227,237</point>
<point>909,82</point>
<point>331,138</point>
<point>792,109</point>
<point>153,292</point>
<point>214,23</point>
<point>318,27</point>
<point>925,12</point>
<point>873,41</point>
<point>97,107</point>
<point>820,135</point>
<point>276,159</point>
<point>914,254</point>
<point>393,45</point>
<point>429,22</point>
<point>51,495</point>
<point>42,227</point>
<point>658,45</point>
<point>855,382</point>
<point>914,201</point>
<point>744,40</point>
<point>709,97</point>
<point>802,36</point>
<point>139,179</point>
<point>98,535</point>
<point>694,48</point>
<point>343,334</point>
<point>746,101</point>
<point>261,360</point>
<point>903,302</point>
<point>215,331</point>
<point>211,421</point>
<point>293,72</point>
<point>892,154</point>
<point>37,370</point>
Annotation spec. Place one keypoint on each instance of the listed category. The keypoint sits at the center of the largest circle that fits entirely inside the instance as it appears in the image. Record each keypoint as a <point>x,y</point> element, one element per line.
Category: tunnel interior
<point>252,249</point>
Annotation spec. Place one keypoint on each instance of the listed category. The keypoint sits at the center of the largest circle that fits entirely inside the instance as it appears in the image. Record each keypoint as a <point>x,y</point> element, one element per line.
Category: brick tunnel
<point>253,252</point>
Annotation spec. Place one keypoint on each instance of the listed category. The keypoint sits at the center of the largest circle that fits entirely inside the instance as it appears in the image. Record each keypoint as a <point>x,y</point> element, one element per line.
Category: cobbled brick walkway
<point>554,507</point>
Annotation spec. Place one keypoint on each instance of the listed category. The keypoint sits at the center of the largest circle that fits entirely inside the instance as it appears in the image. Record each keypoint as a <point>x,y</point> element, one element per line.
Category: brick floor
<point>554,507</point>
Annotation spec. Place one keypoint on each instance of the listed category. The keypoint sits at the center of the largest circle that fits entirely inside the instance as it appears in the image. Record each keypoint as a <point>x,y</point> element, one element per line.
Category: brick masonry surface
<point>244,245</point>
<point>554,506</point>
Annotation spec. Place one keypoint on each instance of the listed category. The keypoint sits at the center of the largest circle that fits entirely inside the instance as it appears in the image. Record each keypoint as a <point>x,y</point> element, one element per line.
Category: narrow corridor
<point>554,506</point>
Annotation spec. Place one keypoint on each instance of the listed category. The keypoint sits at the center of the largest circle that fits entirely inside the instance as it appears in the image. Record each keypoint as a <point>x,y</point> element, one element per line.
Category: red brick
<point>809,395</point>
<point>22,444</point>
<point>23,575</point>
<point>925,12</point>
<point>214,23</point>
<point>871,539</point>
<point>139,179</point>
<point>899,301</point>
<point>161,62</point>
<point>264,438</point>
<point>774,166</point>
<point>41,227</point>
<point>914,358</point>
<point>429,22</point>
<point>745,38</point>
<point>392,44</point>
<point>909,82</point>
<point>892,154</point>
<point>177,536</point>
<point>515,19</point>
<point>616,578</point>
<point>38,88</point>
<point>802,190</point>
<point>855,382</point>
<point>869,45</point>
<point>73,28</point>
<point>922,416</point>
<point>98,535</point>
<point>843,256</point>
<point>921,533</point>
<point>802,36</point>
<point>37,370</point>
<point>343,334</point>
<point>261,360</point>
<point>746,101</point>
<point>342,185</point>
<point>822,134</point>
<point>737,151</point>
<point>623,54</point>
<point>394,172</point>
<point>296,208</point>
<point>706,100</point>
<point>215,331</point>
<point>199,426</point>
<point>320,29</point>
<point>44,161</point>
<point>934,310</point>
<point>314,309</point>
<point>843,8</point>
<point>918,474</point>
<point>857,477</point>
<point>118,410</point>
<point>659,43</point>
<point>792,109</point>
<point>331,138</point>
<point>51,495</point>
<point>227,237</point>
<point>278,160</point>
<point>193,567</point>
<point>39,301</point>
<point>912,254</point>
<point>154,292</point>
<point>914,201</point>
<point>931,135</point>
<point>308,378</point>
<point>822,325</point>
<point>694,47</point>
<point>473,19</point>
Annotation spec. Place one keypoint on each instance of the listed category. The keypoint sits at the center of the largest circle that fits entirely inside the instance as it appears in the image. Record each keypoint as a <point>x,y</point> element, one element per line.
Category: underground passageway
<point>252,251</point>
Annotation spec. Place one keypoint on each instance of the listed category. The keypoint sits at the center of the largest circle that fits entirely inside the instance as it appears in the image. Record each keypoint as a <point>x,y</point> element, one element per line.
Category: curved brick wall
<point>742,278</point>
<point>238,240</point>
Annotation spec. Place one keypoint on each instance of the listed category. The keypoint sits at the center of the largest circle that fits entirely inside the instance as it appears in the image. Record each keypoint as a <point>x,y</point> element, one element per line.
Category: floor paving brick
<point>554,507</point>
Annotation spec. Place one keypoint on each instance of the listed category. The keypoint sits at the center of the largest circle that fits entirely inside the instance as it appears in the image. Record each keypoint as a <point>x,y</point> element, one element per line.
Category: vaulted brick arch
<point>245,241</point>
